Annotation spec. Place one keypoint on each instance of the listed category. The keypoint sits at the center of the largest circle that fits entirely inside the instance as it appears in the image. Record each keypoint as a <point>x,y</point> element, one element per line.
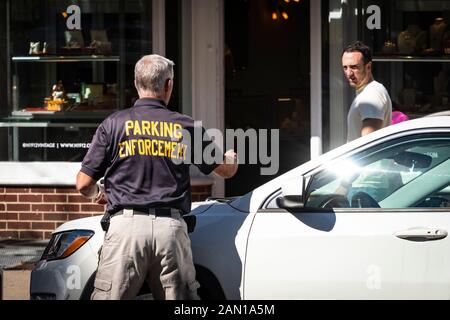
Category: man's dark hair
<point>359,46</point>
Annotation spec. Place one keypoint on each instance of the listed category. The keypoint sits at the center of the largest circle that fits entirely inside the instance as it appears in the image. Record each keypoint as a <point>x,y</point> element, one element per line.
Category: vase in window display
<point>437,30</point>
<point>440,84</point>
<point>412,40</point>
<point>100,43</point>
<point>421,41</point>
<point>406,42</point>
<point>446,42</point>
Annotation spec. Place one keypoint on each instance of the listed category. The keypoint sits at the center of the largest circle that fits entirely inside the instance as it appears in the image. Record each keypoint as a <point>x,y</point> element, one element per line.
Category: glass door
<point>267,81</point>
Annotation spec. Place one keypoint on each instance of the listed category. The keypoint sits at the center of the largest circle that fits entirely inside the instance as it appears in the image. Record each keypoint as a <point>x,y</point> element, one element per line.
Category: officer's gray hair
<point>151,72</point>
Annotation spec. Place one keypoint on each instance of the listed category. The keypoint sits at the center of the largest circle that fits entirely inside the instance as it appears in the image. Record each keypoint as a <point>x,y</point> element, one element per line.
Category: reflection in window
<point>402,175</point>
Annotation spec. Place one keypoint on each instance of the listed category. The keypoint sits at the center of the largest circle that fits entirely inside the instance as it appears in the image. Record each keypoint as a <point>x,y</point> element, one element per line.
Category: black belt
<point>160,212</point>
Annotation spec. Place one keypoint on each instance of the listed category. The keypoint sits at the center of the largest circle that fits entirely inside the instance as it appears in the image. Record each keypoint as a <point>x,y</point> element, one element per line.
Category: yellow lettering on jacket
<point>147,128</point>
<point>153,148</point>
<point>152,138</point>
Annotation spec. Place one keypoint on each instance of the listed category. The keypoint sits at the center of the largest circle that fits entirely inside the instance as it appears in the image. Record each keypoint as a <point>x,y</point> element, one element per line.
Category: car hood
<point>202,206</point>
<point>91,223</point>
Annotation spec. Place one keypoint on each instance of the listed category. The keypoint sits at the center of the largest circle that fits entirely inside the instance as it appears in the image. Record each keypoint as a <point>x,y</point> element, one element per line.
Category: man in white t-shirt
<point>372,107</point>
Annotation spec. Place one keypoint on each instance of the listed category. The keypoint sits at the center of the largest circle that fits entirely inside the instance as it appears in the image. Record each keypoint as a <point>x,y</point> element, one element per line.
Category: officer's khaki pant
<point>140,248</point>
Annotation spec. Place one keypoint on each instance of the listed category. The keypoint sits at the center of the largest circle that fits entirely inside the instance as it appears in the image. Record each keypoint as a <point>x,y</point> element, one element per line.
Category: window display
<point>45,83</point>
<point>68,69</point>
<point>412,54</point>
<point>412,40</point>
<point>437,30</point>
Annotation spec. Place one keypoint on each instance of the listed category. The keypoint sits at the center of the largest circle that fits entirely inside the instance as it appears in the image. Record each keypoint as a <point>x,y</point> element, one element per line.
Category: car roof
<point>439,114</point>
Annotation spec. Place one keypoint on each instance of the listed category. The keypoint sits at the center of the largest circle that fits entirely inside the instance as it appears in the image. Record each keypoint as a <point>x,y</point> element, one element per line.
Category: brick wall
<point>34,212</point>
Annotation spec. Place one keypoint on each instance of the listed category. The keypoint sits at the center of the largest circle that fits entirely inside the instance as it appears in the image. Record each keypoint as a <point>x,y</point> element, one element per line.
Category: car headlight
<point>63,244</point>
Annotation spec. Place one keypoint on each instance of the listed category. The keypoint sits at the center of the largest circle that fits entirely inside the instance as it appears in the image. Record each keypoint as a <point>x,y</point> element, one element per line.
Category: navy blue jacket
<point>145,160</point>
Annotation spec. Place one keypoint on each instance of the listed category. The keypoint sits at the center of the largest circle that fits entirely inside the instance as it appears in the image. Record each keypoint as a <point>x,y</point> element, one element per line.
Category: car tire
<point>210,288</point>
<point>88,288</point>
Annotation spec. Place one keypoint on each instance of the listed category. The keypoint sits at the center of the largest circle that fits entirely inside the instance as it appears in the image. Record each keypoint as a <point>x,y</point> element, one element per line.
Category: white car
<point>368,220</point>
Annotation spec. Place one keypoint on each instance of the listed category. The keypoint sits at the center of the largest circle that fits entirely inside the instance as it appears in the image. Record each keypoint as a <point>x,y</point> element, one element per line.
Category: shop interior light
<point>278,9</point>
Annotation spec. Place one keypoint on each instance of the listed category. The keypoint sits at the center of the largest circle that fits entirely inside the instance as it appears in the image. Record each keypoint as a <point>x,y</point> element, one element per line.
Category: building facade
<point>249,65</point>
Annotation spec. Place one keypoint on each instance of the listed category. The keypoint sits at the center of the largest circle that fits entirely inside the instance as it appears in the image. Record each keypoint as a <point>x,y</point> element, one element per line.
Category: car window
<point>399,174</point>
<point>439,199</point>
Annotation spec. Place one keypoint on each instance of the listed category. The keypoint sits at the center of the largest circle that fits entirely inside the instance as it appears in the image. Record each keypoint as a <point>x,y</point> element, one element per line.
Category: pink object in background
<point>398,116</point>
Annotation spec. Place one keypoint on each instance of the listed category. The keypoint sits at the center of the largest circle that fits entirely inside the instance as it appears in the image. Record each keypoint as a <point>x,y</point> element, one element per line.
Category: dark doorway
<point>267,80</point>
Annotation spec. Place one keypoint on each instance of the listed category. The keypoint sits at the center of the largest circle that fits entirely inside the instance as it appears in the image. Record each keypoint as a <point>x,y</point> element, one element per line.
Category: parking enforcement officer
<point>141,153</point>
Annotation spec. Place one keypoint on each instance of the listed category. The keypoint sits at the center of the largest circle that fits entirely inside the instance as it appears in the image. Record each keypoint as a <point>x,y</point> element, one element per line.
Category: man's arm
<point>370,125</point>
<point>229,168</point>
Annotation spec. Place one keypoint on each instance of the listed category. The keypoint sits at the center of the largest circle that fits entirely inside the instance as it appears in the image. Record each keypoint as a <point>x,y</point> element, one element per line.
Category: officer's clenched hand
<point>229,168</point>
<point>89,188</point>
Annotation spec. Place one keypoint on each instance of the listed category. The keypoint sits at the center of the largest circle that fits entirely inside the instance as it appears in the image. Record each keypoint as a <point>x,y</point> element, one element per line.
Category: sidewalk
<point>17,258</point>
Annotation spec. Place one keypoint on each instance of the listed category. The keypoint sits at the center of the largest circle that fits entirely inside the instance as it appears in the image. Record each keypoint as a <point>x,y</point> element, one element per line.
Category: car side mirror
<point>292,194</point>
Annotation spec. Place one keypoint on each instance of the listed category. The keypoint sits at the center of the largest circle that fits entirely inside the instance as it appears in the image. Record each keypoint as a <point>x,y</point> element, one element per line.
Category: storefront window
<point>267,84</point>
<point>412,53</point>
<point>69,64</point>
<point>410,40</point>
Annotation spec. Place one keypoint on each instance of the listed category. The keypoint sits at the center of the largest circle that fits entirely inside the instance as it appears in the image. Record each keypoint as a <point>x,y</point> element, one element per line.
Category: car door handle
<point>421,234</point>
